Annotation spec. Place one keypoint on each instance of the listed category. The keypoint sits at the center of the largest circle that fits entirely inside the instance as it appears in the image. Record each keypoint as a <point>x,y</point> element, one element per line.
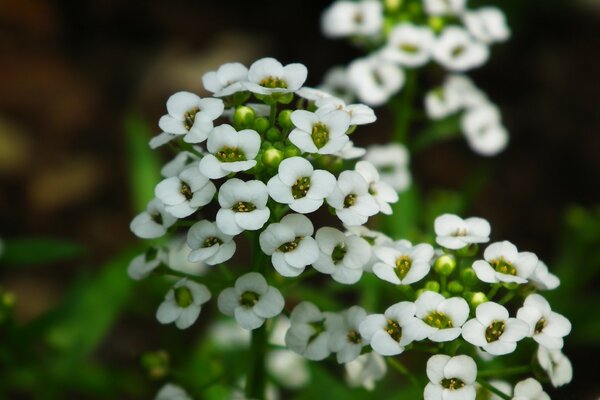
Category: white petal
<point>228,301</point>
<point>270,304</point>
<point>247,318</point>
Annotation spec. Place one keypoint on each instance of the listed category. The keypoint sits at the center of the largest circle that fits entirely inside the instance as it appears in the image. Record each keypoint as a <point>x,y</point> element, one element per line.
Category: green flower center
<point>211,241</point>
<point>403,264</point>
<point>320,134</point>
<point>290,246</point>
<point>319,327</point>
<point>230,154</point>
<point>494,331</point>
<point>301,187</point>
<point>540,325</point>
<point>438,320</point>
<point>183,297</point>
<point>394,330</point>
<point>273,82</point>
<point>349,200</point>
<point>354,337</point>
<point>249,299</point>
<point>452,383</point>
<point>457,51</point>
<point>189,117</point>
<point>358,18</point>
<point>503,266</point>
<point>157,217</point>
<point>408,48</point>
<point>373,189</point>
<point>186,191</point>
<point>339,252</point>
<point>460,232</point>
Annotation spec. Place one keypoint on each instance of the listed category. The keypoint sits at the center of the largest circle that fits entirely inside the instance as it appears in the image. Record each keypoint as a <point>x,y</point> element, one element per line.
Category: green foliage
<point>35,251</point>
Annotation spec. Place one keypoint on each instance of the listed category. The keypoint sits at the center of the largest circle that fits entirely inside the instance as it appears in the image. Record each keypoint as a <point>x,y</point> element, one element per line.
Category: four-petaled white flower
<point>453,232</point>
<point>409,45</point>
<point>382,192</point>
<point>183,303</point>
<point>177,257</point>
<point>307,334</point>
<point>403,263</point>
<point>375,239</point>
<point>442,102</point>
<point>142,265</point>
<point>230,151</point>
<point>556,364</point>
<point>450,378</point>
<point>344,337</point>
<point>268,76</point>
<point>365,370</point>
<point>347,18</point>
<point>300,186</point>
<point>444,7</point>
<point>209,244</point>
<point>290,245</point>
<point>152,223</point>
<point>360,114</point>
<point>341,256</point>
<point>322,131</point>
<point>392,163</point>
<point>529,389</point>
<point>439,319</point>
<point>483,129</point>
<point>243,206</point>
<point>487,24</point>
<point>389,333</point>
<point>542,278</point>
<point>504,263</point>
<point>545,326</point>
<point>183,194</point>
<point>226,80</point>
<point>351,199</point>
<point>251,301</point>
<point>456,50</point>
<point>374,80</point>
<point>493,330</point>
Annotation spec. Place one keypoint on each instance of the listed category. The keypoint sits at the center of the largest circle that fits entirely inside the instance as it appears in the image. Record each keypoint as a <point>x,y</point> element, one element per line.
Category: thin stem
<point>492,389</point>
<point>402,108</point>
<point>507,297</point>
<point>493,291</point>
<point>496,373</point>
<point>273,114</point>
<point>398,366</point>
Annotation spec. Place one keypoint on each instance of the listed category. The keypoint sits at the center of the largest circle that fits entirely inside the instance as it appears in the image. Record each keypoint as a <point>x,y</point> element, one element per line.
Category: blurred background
<point>83,84</point>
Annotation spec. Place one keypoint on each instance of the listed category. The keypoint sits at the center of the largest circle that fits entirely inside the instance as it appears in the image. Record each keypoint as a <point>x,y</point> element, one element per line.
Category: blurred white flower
<point>529,389</point>
<point>243,206</point>
<point>545,326</point>
<point>349,18</point>
<point>484,130</point>
<point>307,334</point>
<point>226,80</point>
<point>337,83</point>
<point>341,256</point>
<point>183,303</point>
<point>170,391</point>
<point>268,76</point>
<point>360,114</point>
<point>142,265</point>
<point>345,339</point>
<point>450,378</point>
<point>350,152</point>
<point>180,162</point>
<point>322,132</point>
<point>442,102</point>
<point>444,7</point>
<point>374,80</point>
<point>209,244</point>
<point>487,24</point>
<point>365,370</point>
<point>183,194</point>
<point>152,223</point>
<point>439,319</point>
<point>288,368</point>
<point>177,257</point>
<point>391,161</point>
<point>456,50</point>
<point>556,364</point>
<point>542,278</point>
<point>504,263</point>
<point>409,45</point>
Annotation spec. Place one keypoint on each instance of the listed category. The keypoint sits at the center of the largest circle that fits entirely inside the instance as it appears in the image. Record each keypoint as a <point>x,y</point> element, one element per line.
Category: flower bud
<point>291,151</point>
<point>477,298</point>
<point>260,125</point>
<point>445,264</point>
<point>243,117</point>
<point>469,250</point>
<point>455,287</point>
<point>274,134</point>
<point>156,363</point>
<point>434,286</point>
<point>468,277</point>
<point>272,157</point>
<point>436,23</point>
<point>283,98</point>
<point>285,119</point>
<point>392,5</point>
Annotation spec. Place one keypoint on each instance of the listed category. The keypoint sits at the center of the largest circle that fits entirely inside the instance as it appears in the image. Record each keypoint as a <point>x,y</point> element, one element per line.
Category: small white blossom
<point>381,191</point>
<point>336,82</point>
<point>251,301</point>
<point>307,335</point>
<point>360,114</point>
<point>444,7</point>
<point>181,161</point>
<point>374,80</point>
<point>439,319</point>
<point>268,76</point>
<point>409,45</point>
<point>288,368</point>
<point>349,18</point>
<point>230,151</point>
<point>391,332</point>
<point>403,264</point>
<point>312,94</point>
<point>178,258</point>
<point>183,194</point>
<point>350,152</point>
<point>351,199</point>
<point>170,391</point>
<point>209,244</point>
<point>542,278</point>
<point>374,239</point>
<point>391,161</point>
<point>344,337</point>
<point>290,245</point>
<point>243,206</point>
<point>226,80</point>
<point>529,389</point>
<point>142,265</point>
<point>483,129</point>
<point>322,132</point>
<point>442,102</point>
<point>487,24</point>
<point>557,366</point>
<point>545,326</point>
<point>365,370</point>
<point>456,50</point>
<point>183,303</point>
<point>152,223</point>
<point>341,256</point>
<point>300,186</point>
<point>493,330</point>
<point>450,378</point>
<point>463,87</point>
<point>227,335</point>
<point>453,232</point>
<point>504,263</point>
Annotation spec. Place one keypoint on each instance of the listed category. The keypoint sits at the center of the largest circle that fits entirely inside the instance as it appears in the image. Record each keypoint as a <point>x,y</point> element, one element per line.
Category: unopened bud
<point>274,134</point>
<point>434,286</point>
<point>445,264</point>
<point>468,251</point>
<point>285,119</point>
<point>455,287</point>
<point>243,117</point>
<point>156,363</point>
<point>272,157</point>
<point>291,151</point>
<point>477,298</point>
<point>468,277</point>
<point>260,125</point>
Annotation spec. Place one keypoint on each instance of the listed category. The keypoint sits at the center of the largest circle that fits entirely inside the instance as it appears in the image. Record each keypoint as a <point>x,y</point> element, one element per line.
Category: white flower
<point>450,378</point>
<point>391,332</point>
<point>444,7</point>
<point>300,186</point>
<point>439,319</point>
<point>336,82</point>
<point>360,114</point>
<point>483,129</point>
<point>409,45</point>
<point>142,265</point>
<point>341,256</point>
<point>348,18</point>
<point>403,263</point>
<point>350,152</point>
<point>375,80</point>
<point>183,194</point>
<point>456,50</point>
<point>170,391</point>
<point>345,339</point>
<point>267,76</point>
<point>243,206</point>
<point>227,80</point>
<point>365,370</point>
<point>502,386</point>
<point>503,263</point>
<point>180,162</point>
<point>307,335</point>
<point>374,239</point>
<point>382,192</point>
<point>288,368</point>
<point>542,278</point>
<point>152,223</point>
<point>351,199</point>
<point>178,258</point>
<point>322,132</point>
<point>556,364</point>
<point>391,161</point>
<point>463,87</point>
<point>231,151</point>
<point>453,232</point>
<point>493,330</point>
<point>183,303</point>
<point>290,245</point>
<point>191,116</point>
<point>227,335</point>
<point>545,326</point>
<point>442,102</point>
<point>312,94</point>
<point>251,301</point>
<point>209,244</point>
<point>487,24</point>
<point>530,389</point>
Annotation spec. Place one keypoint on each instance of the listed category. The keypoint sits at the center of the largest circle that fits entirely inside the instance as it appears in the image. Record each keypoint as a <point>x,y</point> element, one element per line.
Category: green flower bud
<point>291,151</point>
<point>468,277</point>
<point>240,97</point>
<point>331,163</point>
<point>156,363</point>
<point>243,117</point>
<point>283,98</point>
<point>436,23</point>
<point>468,251</point>
<point>285,119</point>
<point>455,287</point>
<point>392,5</point>
<point>433,286</point>
<point>445,264</point>
<point>477,298</point>
<point>272,157</point>
<point>274,134</point>
<point>266,145</point>
<point>420,292</point>
<point>260,125</point>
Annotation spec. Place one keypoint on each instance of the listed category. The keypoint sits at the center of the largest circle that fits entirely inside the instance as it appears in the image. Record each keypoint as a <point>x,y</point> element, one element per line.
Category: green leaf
<point>32,251</point>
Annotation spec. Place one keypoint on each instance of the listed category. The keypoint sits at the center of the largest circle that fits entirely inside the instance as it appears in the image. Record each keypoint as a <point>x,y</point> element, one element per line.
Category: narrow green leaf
<point>35,251</point>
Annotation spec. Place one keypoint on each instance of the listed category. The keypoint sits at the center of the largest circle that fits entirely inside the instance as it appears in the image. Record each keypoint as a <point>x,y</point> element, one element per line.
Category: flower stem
<point>494,373</point>
<point>272,115</point>
<point>493,291</point>
<point>507,297</point>
<point>492,389</point>
<point>402,108</point>
<point>256,377</point>
<point>398,366</point>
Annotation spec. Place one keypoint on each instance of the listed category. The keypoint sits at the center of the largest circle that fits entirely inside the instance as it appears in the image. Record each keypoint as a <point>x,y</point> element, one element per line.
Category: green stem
<point>496,373</point>
<point>402,108</point>
<point>398,366</point>
<point>492,389</point>
<point>273,114</point>
<point>507,297</point>
<point>493,291</point>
